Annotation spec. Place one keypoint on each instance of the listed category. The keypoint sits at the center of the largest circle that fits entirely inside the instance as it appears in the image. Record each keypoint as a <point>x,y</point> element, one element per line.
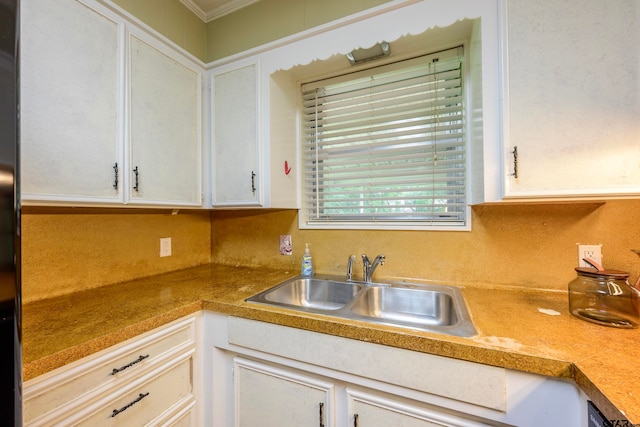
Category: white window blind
<point>387,145</point>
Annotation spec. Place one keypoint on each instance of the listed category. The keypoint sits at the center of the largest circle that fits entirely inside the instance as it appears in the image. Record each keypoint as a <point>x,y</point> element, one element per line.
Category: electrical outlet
<point>593,252</point>
<point>165,246</point>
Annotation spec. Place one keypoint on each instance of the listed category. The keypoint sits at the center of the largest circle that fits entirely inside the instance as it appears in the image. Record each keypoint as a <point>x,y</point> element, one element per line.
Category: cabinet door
<point>165,127</point>
<point>368,410</point>
<point>270,397</point>
<point>70,102</point>
<point>574,99</point>
<point>234,128</point>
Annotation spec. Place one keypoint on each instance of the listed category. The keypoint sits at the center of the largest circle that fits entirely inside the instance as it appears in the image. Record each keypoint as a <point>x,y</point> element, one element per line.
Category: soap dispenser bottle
<point>307,262</point>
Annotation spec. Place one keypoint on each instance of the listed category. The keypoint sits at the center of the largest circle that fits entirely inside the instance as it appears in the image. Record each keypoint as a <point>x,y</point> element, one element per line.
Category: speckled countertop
<point>513,332</point>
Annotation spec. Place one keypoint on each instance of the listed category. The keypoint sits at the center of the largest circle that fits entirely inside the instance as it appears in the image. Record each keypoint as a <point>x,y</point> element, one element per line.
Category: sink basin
<point>311,293</point>
<point>407,305</point>
<point>435,308</point>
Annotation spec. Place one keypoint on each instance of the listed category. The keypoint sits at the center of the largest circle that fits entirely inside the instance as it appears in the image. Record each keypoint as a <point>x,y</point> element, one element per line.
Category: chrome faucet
<point>350,267</point>
<point>369,268</point>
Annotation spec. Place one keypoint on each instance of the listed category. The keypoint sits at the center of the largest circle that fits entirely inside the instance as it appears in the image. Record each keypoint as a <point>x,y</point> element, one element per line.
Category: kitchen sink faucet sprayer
<point>350,267</point>
<point>369,268</point>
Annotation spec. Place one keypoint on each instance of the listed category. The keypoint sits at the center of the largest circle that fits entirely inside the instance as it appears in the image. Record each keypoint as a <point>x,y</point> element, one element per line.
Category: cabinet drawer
<point>182,414</point>
<point>105,371</point>
<point>145,402</point>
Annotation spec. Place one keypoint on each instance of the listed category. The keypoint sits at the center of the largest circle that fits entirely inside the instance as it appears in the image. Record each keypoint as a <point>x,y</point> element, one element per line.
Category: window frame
<point>400,224</point>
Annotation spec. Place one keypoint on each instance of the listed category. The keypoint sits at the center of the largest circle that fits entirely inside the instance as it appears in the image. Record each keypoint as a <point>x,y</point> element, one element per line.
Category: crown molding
<point>219,11</point>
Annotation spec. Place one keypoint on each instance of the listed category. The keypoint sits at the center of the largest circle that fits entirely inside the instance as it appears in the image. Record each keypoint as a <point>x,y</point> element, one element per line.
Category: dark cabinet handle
<point>515,162</point>
<point>128,365</point>
<point>115,172</point>
<point>253,182</point>
<point>355,420</point>
<point>321,408</point>
<point>129,405</point>
<point>135,171</point>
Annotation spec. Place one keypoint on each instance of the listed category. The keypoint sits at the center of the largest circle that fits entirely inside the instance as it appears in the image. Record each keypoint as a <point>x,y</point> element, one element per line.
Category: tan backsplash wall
<point>517,245</point>
<point>64,251</point>
<point>520,245</point>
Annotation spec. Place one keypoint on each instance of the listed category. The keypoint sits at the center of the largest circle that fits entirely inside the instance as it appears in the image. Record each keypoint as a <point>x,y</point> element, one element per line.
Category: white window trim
<point>402,224</point>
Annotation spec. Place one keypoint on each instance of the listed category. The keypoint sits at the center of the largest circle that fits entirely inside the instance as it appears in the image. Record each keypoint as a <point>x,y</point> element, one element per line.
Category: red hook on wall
<point>287,168</point>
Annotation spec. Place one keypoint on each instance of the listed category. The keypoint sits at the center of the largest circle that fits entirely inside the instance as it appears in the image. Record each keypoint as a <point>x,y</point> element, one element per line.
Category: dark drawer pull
<point>253,182</point>
<point>128,365</point>
<point>115,181</point>
<point>136,187</point>
<point>515,162</point>
<point>129,405</point>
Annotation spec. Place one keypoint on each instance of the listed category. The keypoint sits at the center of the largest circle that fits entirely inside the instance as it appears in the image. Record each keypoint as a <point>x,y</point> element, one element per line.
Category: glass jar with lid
<point>604,297</point>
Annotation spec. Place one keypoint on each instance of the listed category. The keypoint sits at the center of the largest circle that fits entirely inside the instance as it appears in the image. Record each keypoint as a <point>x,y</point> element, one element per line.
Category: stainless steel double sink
<point>428,307</point>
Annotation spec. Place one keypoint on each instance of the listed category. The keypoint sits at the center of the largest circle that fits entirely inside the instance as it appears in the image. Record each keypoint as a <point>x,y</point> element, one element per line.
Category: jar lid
<point>607,274</point>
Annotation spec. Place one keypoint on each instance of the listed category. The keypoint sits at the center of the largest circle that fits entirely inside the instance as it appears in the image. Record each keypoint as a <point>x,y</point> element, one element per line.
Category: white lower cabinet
<point>145,401</point>
<point>263,394</point>
<point>270,375</point>
<point>368,409</point>
<point>215,370</point>
<point>270,395</point>
<point>148,380</point>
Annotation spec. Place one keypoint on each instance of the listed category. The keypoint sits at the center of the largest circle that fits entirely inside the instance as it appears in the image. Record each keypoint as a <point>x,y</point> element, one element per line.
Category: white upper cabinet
<point>573,104</point>
<point>253,136</point>
<point>102,99</point>
<point>164,126</point>
<point>70,96</point>
<point>235,135</point>
<point>107,107</point>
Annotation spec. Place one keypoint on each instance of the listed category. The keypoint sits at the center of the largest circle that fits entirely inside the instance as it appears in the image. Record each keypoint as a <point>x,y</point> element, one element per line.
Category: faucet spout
<point>369,268</point>
<point>379,260</point>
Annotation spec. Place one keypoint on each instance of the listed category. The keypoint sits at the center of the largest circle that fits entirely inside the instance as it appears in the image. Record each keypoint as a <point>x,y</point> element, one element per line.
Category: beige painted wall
<point>269,20</point>
<point>171,19</point>
<point>519,245</point>
<point>257,24</point>
<point>64,251</point>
